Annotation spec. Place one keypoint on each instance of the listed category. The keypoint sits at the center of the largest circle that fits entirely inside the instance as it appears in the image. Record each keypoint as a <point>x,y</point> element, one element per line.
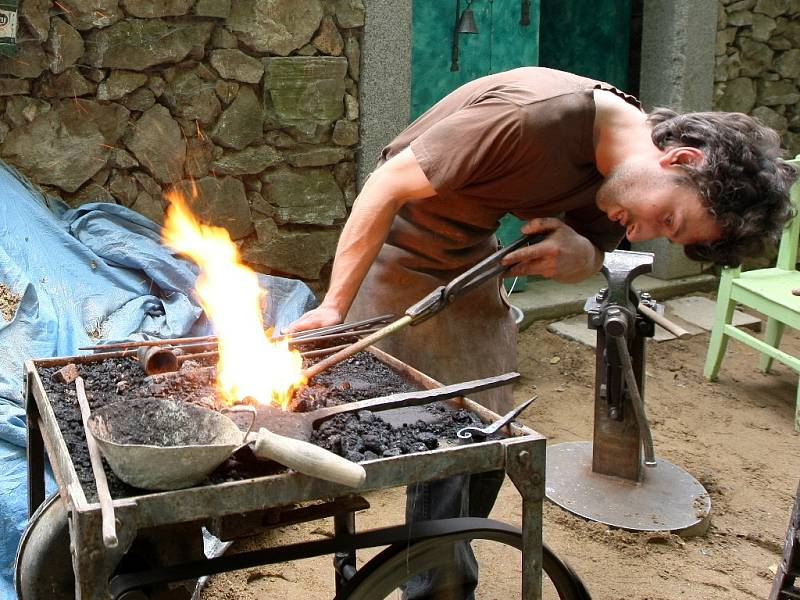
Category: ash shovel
<point>178,444</point>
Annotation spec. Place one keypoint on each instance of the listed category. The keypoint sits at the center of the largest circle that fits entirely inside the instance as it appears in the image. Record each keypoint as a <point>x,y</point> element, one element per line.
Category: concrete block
<point>546,299</point>
<point>669,261</point>
<point>699,311</point>
<point>575,329</point>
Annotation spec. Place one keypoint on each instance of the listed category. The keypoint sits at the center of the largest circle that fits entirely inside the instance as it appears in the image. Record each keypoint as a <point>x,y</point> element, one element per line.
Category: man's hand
<point>321,316</point>
<point>563,255</point>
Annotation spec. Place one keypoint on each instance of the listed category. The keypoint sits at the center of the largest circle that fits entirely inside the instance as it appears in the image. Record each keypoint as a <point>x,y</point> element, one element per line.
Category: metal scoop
<point>193,441</point>
<point>483,432</point>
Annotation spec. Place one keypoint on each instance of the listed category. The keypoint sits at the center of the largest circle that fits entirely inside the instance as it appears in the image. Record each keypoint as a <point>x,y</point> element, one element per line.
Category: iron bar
<point>306,337</point>
<point>308,354</point>
<point>355,325</point>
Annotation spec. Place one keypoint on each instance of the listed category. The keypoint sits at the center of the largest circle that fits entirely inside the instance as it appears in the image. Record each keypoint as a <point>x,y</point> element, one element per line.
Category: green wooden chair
<point>768,291</point>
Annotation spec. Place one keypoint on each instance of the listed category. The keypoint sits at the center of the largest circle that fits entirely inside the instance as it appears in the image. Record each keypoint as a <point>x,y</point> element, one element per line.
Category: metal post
<point>344,562</point>
<point>35,452</point>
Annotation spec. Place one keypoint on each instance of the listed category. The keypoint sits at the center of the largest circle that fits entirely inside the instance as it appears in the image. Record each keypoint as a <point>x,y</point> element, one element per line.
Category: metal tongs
<point>489,268</point>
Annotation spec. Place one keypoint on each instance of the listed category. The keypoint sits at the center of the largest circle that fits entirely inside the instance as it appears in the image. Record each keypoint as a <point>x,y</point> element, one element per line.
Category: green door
<point>501,43</point>
<point>587,37</point>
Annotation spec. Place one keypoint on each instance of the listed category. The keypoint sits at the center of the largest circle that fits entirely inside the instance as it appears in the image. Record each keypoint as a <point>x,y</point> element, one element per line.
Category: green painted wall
<point>588,37</point>
<point>501,44</point>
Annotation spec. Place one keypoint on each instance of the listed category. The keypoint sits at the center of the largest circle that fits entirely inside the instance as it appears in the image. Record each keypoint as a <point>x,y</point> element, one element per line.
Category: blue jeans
<point>461,496</point>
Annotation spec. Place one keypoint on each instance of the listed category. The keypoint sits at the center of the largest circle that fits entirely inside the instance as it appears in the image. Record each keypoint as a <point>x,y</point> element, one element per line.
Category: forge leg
<point>36,482</point>
<point>92,562</point>
<point>344,523</point>
<point>525,467</point>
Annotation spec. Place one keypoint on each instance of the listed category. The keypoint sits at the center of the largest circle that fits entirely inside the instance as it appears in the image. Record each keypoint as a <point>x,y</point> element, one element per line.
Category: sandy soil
<point>735,436</point>
<point>9,301</point>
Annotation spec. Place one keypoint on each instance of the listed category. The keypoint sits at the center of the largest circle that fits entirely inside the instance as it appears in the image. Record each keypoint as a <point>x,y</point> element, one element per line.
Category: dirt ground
<point>735,436</point>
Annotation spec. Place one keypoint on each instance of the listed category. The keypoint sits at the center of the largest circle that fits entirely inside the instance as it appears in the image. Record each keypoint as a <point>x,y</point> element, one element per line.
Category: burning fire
<point>251,366</point>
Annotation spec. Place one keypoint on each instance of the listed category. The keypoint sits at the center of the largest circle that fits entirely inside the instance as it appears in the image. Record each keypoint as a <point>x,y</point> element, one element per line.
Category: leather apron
<point>472,338</point>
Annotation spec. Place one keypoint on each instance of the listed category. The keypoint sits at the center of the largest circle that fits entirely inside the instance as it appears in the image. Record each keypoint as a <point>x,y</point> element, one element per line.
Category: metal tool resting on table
<point>594,480</point>
<point>480,433</point>
<point>489,268</point>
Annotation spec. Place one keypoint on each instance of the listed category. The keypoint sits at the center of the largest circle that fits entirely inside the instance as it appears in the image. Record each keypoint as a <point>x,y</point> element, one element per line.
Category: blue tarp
<point>98,271</point>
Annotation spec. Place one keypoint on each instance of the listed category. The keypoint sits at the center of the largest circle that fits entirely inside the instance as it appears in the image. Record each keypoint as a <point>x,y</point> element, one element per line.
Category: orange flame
<point>250,364</point>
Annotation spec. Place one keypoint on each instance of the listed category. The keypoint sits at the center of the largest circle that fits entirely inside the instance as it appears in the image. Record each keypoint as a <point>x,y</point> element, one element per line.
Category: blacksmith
<point>580,162</point>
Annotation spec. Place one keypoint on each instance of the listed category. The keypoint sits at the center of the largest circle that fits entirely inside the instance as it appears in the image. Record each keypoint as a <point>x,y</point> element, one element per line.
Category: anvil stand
<point>617,480</point>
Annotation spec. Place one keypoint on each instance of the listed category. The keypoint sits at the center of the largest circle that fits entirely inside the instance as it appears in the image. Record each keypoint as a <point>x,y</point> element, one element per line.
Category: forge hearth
<point>245,486</point>
<point>358,437</point>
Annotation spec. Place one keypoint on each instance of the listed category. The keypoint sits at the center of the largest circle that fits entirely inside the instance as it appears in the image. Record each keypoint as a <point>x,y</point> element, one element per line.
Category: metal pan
<point>169,461</point>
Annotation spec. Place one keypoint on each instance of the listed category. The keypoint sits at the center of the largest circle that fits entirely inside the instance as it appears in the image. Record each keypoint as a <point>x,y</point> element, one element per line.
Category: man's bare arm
<point>394,183</point>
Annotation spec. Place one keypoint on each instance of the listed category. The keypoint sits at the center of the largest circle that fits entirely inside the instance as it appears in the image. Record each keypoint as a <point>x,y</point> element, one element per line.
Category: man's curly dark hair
<point>742,181</point>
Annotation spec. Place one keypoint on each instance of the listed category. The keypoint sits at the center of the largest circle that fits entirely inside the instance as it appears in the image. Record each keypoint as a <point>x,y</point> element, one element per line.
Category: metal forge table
<point>521,455</point>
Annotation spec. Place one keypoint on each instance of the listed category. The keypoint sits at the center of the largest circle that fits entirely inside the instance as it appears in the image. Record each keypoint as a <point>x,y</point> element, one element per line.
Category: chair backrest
<point>787,252</point>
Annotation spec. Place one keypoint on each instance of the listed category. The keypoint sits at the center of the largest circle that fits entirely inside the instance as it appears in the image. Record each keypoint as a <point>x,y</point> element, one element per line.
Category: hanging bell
<point>466,24</point>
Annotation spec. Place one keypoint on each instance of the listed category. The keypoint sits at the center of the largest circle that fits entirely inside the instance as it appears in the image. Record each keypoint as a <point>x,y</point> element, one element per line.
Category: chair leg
<point>772,336</point>
<point>722,316</point>
<point>797,411</point>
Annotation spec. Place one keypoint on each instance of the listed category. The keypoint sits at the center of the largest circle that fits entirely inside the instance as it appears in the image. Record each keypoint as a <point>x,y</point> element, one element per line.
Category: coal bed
<point>364,435</point>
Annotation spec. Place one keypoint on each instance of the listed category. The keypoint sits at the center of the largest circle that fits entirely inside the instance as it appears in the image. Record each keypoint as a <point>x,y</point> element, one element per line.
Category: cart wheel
<point>386,574</point>
<point>43,568</point>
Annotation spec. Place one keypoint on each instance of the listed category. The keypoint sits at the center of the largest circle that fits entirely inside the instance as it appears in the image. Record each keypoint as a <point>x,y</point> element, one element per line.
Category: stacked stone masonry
<point>253,103</point>
<point>758,64</point>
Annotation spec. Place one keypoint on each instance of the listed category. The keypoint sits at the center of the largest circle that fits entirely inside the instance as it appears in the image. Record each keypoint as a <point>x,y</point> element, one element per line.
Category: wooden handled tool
<point>301,425</point>
<point>109,525</point>
<point>659,319</point>
<point>355,347</point>
<point>295,452</point>
<point>307,458</point>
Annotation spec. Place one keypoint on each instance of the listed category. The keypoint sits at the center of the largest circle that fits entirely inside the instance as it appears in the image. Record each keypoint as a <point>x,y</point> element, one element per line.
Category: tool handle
<point>109,525</point>
<point>307,458</point>
<point>489,268</point>
<point>659,319</point>
<point>354,348</point>
<point>637,403</point>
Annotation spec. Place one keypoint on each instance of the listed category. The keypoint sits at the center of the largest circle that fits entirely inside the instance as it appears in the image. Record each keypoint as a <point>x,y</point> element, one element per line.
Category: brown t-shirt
<point>517,142</point>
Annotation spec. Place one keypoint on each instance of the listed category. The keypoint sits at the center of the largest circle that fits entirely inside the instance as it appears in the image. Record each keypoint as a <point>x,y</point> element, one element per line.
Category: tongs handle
<point>489,268</point>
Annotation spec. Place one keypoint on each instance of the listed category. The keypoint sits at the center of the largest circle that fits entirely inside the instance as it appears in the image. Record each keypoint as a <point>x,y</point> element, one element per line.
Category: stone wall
<point>252,102</point>
<point>758,63</point>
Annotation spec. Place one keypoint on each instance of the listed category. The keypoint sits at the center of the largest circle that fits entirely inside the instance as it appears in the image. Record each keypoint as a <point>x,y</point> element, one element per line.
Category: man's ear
<point>682,155</point>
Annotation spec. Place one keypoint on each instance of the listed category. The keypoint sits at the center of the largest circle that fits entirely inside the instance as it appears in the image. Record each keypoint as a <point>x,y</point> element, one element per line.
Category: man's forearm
<point>396,182</point>
<point>359,244</point>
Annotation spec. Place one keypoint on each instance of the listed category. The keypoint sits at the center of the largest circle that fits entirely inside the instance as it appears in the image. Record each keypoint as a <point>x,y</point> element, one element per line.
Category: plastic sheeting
<point>71,278</point>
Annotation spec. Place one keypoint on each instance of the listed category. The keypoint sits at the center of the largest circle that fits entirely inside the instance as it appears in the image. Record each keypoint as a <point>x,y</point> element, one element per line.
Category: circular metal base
<point>667,499</point>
